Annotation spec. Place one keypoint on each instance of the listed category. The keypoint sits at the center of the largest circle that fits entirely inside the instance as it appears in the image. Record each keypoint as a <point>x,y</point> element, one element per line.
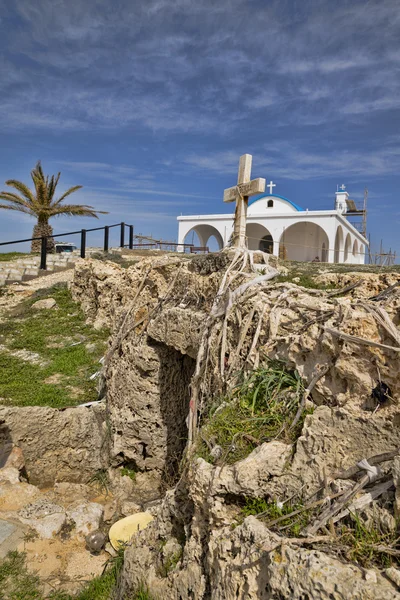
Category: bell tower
<point>341,199</point>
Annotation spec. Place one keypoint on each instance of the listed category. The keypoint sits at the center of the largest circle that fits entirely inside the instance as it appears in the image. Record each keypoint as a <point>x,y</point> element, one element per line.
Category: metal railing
<point>156,244</point>
<point>82,233</point>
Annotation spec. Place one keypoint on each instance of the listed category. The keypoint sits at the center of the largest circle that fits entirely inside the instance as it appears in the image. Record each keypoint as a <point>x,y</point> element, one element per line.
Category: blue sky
<point>149,104</point>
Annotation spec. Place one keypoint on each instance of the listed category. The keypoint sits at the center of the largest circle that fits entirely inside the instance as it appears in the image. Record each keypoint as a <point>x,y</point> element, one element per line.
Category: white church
<point>278,226</point>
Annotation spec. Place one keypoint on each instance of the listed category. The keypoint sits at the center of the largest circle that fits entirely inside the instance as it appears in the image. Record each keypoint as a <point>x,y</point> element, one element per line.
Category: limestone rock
<point>65,445</point>
<point>69,493</point>
<point>396,479</point>
<point>44,304</point>
<point>87,517</point>
<point>249,477</point>
<point>9,475</point>
<point>394,575</point>
<point>337,438</point>
<point>11,456</point>
<point>43,516</point>
<point>129,508</point>
<point>13,497</point>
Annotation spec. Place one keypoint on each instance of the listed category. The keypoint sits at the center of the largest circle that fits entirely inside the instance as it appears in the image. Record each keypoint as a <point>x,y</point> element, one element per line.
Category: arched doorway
<point>339,245</point>
<point>205,235</point>
<point>361,255</point>
<point>347,248</point>
<point>304,242</point>
<point>259,238</point>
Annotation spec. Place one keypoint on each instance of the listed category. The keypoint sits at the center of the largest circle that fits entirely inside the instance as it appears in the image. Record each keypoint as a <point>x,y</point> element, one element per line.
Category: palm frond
<point>14,199</point>
<point>22,188</point>
<point>22,209</point>
<point>67,193</point>
<point>72,210</point>
<point>51,188</point>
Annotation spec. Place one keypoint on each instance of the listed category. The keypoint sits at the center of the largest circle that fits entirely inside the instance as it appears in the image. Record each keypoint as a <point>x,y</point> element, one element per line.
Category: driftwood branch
<point>344,290</point>
<point>357,340</point>
<point>321,372</point>
<point>374,460</point>
<point>331,511</point>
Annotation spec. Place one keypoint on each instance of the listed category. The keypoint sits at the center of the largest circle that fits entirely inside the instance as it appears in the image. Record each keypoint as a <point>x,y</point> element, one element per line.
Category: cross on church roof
<point>342,187</point>
<point>271,185</point>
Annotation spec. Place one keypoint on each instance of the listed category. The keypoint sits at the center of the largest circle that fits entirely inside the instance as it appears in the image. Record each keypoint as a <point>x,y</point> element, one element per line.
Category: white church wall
<point>279,206</point>
<point>221,226</point>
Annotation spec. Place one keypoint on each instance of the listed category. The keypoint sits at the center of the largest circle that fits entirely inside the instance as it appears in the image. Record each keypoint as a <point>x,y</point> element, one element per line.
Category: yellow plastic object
<point>122,531</point>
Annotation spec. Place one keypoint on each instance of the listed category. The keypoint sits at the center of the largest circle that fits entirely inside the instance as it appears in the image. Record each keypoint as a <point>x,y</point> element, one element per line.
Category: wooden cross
<point>241,193</point>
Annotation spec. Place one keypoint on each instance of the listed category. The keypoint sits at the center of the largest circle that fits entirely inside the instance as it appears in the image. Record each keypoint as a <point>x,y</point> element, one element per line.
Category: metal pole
<point>43,254</point>
<point>122,239</point>
<point>83,243</point>
<point>106,237</point>
<point>130,237</point>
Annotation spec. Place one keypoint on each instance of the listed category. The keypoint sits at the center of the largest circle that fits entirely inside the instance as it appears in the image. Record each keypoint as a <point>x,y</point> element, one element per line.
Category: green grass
<point>52,334</point>
<point>142,593</point>
<point>16,583</point>
<point>362,544</point>
<point>270,511</point>
<point>8,256</point>
<point>304,280</point>
<point>131,473</point>
<point>262,407</point>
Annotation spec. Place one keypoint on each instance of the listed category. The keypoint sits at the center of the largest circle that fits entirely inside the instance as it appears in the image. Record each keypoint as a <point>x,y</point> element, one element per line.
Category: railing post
<point>43,254</point>
<point>130,237</point>
<point>83,243</point>
<point>106,237</point>
<point>122,238</point>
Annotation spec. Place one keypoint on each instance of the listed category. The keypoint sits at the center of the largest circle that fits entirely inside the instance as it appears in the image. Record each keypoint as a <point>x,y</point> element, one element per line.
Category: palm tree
<point>42,205</point>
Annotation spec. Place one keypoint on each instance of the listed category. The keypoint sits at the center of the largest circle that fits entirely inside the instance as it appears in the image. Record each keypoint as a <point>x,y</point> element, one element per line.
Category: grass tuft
<point>269,511</point>
<point>261,408</point>
<point>367,545</point>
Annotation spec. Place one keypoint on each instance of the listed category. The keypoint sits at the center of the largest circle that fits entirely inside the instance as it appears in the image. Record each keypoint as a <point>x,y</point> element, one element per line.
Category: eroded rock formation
<point>160,310</point>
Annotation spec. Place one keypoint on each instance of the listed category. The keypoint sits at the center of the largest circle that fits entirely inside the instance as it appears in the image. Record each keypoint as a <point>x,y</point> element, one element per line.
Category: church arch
<point>259,238</point>
<point>205,234</point>
<point>339,245</point>
<point>304,241</point>
<point>356,256</point>
<point>347,248</point>
<point>361,255</point>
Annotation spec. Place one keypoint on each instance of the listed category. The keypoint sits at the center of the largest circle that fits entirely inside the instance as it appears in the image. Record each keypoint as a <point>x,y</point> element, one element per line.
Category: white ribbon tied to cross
<point>372,472</point>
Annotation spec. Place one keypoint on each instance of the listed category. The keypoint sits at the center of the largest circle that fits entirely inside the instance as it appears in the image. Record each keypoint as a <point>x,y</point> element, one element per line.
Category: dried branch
<point>344,290</point>
<point>357,340</point>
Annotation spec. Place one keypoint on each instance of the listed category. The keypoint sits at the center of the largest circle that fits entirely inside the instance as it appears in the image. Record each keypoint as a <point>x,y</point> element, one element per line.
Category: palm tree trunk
<point>41,230</point>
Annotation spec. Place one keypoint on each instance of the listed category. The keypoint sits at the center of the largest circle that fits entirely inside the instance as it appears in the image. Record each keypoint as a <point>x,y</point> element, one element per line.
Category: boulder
<point>44,304</point>
<point>87,518</point>
<point>15,496</point>
<point>12,456</point>
<point>251,476</point>
<point>9,475</point>
<point>58,445</point>
<point>43,516</point>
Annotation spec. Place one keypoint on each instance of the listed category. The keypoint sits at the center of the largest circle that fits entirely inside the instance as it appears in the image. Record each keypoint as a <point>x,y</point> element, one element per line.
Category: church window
<point>270,203</point>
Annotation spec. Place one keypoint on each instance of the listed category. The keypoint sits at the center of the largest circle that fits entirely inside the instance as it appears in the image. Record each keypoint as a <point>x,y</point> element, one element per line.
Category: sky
<point>149,105</point>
